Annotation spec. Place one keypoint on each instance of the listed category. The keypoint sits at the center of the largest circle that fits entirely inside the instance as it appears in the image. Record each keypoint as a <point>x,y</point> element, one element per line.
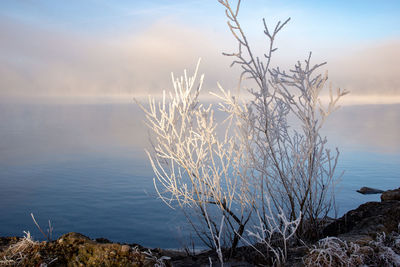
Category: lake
<point>83,166</point>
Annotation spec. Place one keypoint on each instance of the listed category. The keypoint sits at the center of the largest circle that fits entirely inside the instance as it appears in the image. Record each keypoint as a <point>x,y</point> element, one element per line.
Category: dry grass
<point>384,251</point>
<point>18,254</point>
<point>332,251</point>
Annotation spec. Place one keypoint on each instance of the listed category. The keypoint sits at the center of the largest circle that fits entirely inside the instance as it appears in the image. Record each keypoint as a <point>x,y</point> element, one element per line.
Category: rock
<point>74,249</point>
<point>102,240</point>
<point>73,238</point>
<point>391,195</point>
<point>368,219</point>
<point>125,248</point>
<point>360,239</point>
<point>368,190</point>
<point>366,250</point>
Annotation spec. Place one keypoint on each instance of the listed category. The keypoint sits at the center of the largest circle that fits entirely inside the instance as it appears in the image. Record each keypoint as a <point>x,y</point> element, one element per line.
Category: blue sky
<point>111,44</point>
<point>358,19</point>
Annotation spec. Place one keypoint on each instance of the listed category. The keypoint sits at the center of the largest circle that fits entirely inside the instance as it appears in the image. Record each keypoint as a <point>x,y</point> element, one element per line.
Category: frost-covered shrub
<point>226,173</point>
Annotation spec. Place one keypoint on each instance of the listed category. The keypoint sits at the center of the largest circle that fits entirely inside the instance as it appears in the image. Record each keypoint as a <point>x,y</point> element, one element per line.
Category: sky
<point>107,48</point>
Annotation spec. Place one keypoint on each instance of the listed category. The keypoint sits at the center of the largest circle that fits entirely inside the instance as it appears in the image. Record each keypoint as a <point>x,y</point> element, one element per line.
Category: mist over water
<point>83,166</point>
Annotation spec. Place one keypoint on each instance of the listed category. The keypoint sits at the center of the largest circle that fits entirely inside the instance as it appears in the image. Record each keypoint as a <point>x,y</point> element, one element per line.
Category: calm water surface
<point>83,166</point>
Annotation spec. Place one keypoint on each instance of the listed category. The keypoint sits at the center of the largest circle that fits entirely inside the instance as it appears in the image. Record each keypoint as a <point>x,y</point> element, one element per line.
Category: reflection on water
<point>83,167</point>
<point>48,130</point>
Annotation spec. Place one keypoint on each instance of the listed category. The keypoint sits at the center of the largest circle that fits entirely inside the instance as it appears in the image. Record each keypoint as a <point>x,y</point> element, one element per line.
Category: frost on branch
<point>193,165</point>
<point>255,162</point>
<point>290,165</point>
<point>273,235</point>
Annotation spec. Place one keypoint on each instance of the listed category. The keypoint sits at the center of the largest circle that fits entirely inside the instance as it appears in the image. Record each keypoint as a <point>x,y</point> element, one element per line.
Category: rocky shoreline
<point>368,235</point>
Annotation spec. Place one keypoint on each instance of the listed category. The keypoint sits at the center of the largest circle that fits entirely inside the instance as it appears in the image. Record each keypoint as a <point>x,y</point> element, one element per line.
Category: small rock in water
<point>368,190</point>
<point>391,195</point>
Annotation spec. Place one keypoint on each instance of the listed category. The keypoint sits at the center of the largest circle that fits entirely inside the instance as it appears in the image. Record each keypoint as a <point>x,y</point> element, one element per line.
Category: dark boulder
<point>368,219</point>
<point>391,195</point>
